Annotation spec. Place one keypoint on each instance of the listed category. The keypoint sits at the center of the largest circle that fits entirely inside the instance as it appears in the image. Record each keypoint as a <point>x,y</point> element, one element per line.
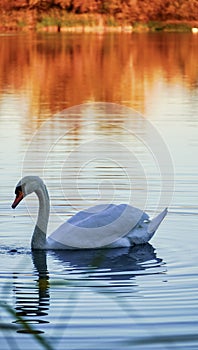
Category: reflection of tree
<point>52,73</point>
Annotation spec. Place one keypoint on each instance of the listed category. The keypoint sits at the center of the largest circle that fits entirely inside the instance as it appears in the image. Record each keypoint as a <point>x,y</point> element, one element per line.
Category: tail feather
<point>154,224</point>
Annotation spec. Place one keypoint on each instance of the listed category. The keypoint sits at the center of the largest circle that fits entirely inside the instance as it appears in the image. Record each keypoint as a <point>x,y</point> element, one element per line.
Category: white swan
<point>101,226</point>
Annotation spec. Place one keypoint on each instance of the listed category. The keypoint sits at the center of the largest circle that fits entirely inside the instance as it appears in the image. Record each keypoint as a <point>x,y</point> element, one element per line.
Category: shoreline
<point>55,22</point>
<point>173,28</point>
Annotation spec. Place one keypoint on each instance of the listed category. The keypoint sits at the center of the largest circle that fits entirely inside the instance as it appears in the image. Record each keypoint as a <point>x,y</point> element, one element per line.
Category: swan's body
<point>101,226</point>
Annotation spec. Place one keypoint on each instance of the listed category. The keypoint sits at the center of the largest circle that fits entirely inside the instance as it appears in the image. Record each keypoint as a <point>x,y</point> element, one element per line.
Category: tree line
<point>130,10</point>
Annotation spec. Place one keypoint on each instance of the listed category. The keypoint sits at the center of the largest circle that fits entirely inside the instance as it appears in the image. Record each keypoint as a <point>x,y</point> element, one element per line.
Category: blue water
<point>144,297</point>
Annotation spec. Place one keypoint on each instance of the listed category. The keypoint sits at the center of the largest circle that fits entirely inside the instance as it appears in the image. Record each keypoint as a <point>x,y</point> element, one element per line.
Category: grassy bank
<point>61,21</point>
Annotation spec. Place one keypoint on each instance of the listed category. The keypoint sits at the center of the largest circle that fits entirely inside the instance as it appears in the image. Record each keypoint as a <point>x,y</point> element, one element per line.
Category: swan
<point>100,226</point>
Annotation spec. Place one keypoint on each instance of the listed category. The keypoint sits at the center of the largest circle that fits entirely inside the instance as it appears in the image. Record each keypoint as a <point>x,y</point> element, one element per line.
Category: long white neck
<point>39,235</point>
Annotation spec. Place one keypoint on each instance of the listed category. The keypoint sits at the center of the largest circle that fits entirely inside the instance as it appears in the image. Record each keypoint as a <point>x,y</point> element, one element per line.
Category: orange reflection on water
<point>56,71</point>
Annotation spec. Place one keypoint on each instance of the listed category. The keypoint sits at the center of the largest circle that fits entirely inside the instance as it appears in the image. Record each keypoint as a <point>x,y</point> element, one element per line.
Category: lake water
<point>101,118</point>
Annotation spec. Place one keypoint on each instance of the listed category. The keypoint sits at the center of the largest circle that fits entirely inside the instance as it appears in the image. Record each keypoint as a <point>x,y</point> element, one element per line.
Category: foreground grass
<point>30,330</point>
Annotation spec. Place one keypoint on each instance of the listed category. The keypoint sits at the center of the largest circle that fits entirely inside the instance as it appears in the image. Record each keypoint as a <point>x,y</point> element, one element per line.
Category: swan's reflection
<point>32,303</point>
<point>32,299</point>
<point>112,262</point>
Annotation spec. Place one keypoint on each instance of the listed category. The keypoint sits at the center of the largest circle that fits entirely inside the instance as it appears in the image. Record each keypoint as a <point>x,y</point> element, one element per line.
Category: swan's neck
<point>39,235</point>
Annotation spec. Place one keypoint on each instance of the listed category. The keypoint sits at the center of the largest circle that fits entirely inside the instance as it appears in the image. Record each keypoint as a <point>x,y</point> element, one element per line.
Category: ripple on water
<point>113,299</point>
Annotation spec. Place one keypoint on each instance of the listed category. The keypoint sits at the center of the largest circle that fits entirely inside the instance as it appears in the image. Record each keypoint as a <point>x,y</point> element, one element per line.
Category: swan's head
<point>25,186</point>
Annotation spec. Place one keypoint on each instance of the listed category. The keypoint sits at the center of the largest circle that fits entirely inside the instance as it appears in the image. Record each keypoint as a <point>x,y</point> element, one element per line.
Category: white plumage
<point>101,226</point>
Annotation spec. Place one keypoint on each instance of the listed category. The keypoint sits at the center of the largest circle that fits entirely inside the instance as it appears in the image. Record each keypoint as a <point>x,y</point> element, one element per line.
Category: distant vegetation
<point>138,14</point>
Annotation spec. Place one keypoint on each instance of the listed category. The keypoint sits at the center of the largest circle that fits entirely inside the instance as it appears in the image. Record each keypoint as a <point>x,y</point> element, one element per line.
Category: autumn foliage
<point>130,10</point>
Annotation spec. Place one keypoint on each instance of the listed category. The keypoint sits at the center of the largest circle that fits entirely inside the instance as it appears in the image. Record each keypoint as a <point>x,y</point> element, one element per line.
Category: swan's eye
<point>18,190</point>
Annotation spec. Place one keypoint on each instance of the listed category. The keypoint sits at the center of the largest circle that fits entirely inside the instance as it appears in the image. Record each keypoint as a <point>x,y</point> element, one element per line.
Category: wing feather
<point>98,226</point>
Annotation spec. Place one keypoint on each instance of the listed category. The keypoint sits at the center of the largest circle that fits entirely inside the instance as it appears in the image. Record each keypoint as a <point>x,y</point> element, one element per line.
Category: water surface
<point>141,298</point>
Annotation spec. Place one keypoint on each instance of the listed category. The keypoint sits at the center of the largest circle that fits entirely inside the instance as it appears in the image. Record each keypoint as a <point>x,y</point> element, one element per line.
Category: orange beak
<point>17,200</point>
